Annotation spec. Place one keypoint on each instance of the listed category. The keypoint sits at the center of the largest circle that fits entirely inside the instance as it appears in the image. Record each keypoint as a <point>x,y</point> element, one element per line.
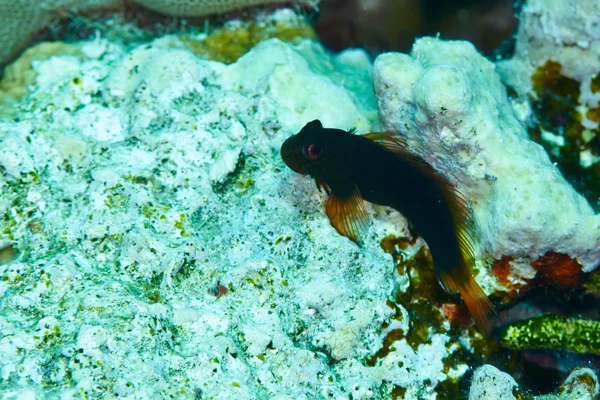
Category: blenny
<point>379,168</point>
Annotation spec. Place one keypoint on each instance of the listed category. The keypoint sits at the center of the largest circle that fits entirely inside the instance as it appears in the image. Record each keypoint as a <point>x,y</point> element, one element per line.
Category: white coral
<point>449,102</point>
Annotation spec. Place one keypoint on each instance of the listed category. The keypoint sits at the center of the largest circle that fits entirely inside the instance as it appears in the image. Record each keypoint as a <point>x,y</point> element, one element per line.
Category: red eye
<point>313,151</point>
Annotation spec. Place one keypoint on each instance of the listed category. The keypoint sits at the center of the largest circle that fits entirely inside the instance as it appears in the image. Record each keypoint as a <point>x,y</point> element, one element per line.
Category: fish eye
<point>313,151</point>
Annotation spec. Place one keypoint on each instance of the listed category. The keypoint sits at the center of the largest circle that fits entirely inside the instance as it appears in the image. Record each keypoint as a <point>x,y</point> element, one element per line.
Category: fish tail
<point>478,303</point>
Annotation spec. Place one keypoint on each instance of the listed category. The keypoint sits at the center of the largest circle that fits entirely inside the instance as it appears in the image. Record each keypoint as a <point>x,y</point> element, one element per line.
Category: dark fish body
<point>403,186</point>
<point>380,169</point>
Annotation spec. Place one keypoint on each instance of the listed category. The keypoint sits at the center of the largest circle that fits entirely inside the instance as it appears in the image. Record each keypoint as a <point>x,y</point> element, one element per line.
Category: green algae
<point>181,225</point>
<point>556,108</point>
<point>550,331</point>
<point>116,198</point>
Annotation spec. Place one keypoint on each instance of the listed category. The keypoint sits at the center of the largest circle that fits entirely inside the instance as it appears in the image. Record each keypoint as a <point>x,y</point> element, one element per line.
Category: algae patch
<point>550,331</point>
<point>230,42</point>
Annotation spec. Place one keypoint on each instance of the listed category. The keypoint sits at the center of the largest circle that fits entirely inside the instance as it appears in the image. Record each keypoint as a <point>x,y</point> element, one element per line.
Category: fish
<point>381,169</point>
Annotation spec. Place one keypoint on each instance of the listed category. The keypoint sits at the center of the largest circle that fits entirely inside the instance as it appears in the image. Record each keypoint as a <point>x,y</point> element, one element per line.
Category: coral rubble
<point>152,244</point>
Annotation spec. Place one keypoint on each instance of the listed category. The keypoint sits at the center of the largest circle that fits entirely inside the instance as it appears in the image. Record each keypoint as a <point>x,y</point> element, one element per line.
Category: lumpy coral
<point>449,102</point>
<point>226,44</point>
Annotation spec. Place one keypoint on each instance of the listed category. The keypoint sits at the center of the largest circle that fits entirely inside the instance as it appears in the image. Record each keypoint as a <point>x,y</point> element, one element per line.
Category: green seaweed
<point>549,331</point>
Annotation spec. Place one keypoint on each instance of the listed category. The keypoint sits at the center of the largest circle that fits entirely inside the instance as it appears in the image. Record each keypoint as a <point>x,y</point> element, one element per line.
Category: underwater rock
<point>555,74</point>
<point>226,44</point>
<point>162,248</point>
<point>450,104</point>
<point>490,383</point>
<point>581,384</point>
<point>567,32</point>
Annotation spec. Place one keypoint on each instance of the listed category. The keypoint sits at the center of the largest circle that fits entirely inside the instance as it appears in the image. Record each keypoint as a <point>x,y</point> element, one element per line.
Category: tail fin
<point>478,303</point>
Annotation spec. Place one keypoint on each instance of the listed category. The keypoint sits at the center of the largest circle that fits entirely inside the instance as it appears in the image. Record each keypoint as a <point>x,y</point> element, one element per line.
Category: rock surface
<point>158,246</point>
<point>163,249</point>
<point>491,383</point>
<point>451,105</point>
<point>566,31</point>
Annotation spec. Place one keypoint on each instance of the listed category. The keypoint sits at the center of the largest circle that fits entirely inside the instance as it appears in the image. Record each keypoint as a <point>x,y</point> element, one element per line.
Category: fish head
<point>312,151</point>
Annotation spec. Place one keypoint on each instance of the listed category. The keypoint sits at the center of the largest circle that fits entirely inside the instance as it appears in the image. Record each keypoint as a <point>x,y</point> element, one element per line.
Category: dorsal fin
<point>347,215</point>
<point>461,215</point>
<point>398,146</point>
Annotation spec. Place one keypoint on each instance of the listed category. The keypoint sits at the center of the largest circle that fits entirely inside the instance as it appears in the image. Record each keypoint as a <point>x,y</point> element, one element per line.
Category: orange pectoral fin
<point>347,215</point>
<point>478,303</point>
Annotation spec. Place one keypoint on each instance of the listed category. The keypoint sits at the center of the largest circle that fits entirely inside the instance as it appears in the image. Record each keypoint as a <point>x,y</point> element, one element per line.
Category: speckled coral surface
<point>163,249</point>
<point>196,8</point>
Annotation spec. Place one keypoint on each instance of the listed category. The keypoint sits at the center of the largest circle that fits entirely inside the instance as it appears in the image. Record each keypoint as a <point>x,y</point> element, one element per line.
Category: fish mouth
<point>290,154</point>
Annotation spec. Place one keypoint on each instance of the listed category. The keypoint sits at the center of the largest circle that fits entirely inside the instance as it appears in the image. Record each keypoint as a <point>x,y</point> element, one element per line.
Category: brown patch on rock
<point>553,269</point>
<point>457,314</point>
<point>501,269</point>
<point>450,311</point>
<point>503,272</point>
<point>388,341</point>
<point>593,114</point>
<point>395,245</point>
<point>558,270</point>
